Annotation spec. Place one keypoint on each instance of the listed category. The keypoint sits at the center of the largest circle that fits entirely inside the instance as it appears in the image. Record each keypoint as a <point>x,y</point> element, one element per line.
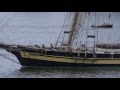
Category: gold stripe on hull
<point>37,56</point>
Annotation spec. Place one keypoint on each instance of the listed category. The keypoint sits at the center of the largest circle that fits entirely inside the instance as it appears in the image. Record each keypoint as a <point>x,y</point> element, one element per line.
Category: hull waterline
<point>48,63</point>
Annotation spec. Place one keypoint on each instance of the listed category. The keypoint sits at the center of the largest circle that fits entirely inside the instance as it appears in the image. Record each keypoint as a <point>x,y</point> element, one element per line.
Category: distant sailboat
<point>63,54</point>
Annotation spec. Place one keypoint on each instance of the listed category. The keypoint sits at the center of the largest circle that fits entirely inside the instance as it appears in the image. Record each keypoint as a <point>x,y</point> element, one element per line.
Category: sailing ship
<point>64,54</point>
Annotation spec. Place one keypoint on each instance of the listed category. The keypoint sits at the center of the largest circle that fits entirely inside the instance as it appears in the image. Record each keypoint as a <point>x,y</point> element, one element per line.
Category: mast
<point>73,29</point>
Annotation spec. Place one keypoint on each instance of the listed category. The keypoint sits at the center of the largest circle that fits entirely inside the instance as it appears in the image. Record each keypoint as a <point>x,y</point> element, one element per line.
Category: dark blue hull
<point>43,63</point>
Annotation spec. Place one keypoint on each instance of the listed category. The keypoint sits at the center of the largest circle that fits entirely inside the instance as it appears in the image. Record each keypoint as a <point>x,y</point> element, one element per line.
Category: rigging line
<point>73,30</point>
<point>98,20</point>
<point>89,14</point>
<point>67,24</point>
<point>3,19</point>
<point>95,31</point>
<point>9,58</point>
<point>83,28</point>
<point>22,26</point>
<point>109,38</point>
<point>111,32</point>
<point>61,30</point>
<point>8,21</point>
<point>109,18</point>
<point>78,32</point>
<point>66,28</point>
<point>88,23</point>
<point>77,29</point>
<point>63,40</point>
<point>81,33</point>
<point>102,30</point>
<point>119,38</point>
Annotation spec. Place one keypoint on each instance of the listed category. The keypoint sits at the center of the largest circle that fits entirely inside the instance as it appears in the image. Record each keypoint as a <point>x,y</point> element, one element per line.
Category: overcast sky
<point>21,30</point>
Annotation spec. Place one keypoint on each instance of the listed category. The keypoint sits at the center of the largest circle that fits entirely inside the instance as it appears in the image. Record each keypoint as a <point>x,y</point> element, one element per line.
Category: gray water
<point>27,28</point>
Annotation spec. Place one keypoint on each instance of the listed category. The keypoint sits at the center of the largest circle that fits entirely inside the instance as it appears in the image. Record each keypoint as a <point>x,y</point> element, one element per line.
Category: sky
<point>44,27</point>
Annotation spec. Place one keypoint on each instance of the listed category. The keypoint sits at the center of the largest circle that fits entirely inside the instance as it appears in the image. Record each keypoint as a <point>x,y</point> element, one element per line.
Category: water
<point>30,28</point>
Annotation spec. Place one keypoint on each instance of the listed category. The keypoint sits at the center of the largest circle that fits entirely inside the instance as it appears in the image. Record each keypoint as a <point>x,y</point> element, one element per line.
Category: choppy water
<point>30,28</point>
<point>16,71</point>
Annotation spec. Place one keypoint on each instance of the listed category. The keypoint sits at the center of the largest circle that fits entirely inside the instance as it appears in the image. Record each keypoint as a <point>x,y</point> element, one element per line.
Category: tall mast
<point>73,29</point>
